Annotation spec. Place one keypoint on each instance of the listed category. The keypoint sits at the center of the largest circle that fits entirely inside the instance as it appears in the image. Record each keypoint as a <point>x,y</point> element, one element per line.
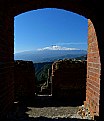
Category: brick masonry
<point>93,72</point>
<point>24,79</point>
<point>69,80</point>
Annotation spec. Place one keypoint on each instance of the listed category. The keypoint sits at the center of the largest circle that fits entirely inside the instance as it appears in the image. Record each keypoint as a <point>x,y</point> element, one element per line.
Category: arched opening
<point>62,34</point>
<point>13,8</point>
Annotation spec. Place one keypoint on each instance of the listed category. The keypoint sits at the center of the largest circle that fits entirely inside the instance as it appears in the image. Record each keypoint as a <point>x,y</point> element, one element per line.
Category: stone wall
<point>93,72</point>
<point>24,78</point>
<point>69,79</point>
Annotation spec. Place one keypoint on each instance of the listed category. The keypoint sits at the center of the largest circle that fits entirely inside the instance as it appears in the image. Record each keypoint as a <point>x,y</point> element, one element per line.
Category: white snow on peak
<point>55,47</point>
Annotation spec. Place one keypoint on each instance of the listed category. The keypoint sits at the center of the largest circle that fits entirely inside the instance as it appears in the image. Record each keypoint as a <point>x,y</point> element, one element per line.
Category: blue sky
<point>46,27</point>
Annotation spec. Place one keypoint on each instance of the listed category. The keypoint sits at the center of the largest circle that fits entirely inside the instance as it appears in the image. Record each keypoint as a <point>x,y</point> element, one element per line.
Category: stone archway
<point>9,9</point>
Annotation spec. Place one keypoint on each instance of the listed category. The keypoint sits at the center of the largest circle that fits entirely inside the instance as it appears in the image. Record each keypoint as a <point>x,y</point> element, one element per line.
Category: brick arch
<point>9,9</point>
<point>99,29</point>
<point>93,72</point>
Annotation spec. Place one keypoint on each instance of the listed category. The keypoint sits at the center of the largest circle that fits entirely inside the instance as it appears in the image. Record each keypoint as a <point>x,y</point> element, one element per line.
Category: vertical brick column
<point>6,63</point>
<point>93,72</point>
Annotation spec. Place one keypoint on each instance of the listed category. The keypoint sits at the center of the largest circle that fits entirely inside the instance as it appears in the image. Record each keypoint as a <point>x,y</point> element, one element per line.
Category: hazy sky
<point>46,27</point>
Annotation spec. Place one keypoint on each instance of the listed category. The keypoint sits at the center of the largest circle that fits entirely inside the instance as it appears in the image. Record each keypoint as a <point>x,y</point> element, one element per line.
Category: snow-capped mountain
<point>55,47</point>
<point>50,53</point>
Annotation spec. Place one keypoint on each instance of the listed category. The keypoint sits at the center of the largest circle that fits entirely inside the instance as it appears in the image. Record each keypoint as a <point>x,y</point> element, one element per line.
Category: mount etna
<point>50,54</point>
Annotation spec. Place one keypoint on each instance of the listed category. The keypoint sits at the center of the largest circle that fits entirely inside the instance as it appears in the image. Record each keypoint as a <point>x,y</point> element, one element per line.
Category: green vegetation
<point>41,71</point>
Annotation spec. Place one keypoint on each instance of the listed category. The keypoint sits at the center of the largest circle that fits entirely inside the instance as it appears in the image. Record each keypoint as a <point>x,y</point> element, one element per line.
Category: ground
<point>44,108</point>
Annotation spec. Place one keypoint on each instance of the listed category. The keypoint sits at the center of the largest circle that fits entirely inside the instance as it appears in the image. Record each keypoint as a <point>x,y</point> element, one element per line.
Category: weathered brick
<point>64,80</point>
<point>93,71</point>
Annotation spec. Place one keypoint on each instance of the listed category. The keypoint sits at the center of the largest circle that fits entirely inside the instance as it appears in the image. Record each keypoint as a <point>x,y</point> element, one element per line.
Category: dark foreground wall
<point>6,88</point>
<point>24,78</point>
<point>69,79</point>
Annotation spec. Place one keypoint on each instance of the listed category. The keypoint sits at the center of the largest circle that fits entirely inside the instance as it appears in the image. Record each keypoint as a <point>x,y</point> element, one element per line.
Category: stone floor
<point>44,108</point>
<point>53,112</point>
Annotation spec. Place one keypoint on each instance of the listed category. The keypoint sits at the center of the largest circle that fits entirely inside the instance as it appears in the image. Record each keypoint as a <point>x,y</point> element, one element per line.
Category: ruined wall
<point>93,72</point>
<point>69,79</point>
<point>24,79</point>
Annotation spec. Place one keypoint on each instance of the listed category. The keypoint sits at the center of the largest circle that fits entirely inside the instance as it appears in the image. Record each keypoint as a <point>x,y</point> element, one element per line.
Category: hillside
<point>41,71</point>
